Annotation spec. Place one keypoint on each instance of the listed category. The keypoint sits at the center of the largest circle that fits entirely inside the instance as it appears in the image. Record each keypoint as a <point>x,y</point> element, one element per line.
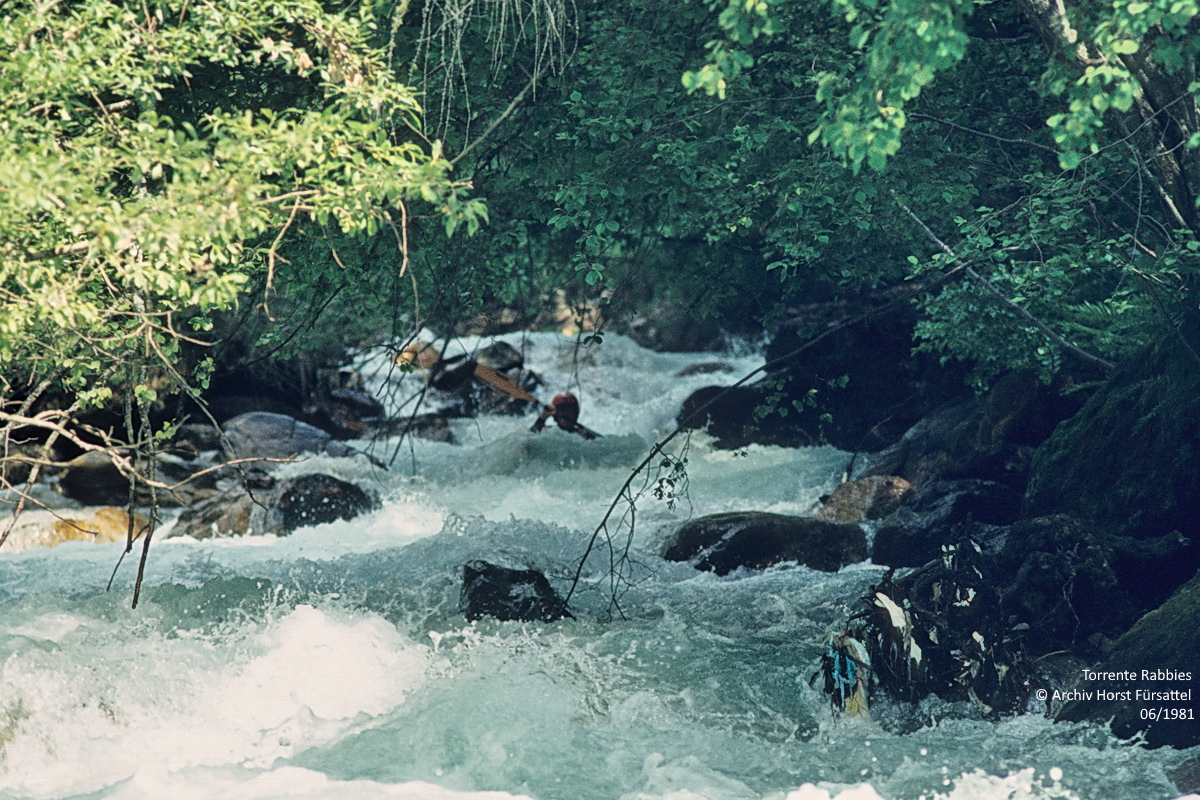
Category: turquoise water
<point>334,663</point>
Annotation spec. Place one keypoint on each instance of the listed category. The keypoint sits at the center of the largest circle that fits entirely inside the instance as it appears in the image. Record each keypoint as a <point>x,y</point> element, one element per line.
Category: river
<point>334,663</point>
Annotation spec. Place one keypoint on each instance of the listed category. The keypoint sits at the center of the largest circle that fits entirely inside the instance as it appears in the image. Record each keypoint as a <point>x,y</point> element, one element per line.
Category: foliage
<point>1099,243</point>
<point>157,155</point>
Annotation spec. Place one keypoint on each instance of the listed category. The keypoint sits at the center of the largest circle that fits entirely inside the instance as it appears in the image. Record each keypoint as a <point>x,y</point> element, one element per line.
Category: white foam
<point>115,706</point>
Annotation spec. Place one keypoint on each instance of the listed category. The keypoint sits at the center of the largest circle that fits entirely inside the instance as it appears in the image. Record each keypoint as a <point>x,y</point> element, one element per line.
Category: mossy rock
<point>1159,652</point>
<point>1129,459</point>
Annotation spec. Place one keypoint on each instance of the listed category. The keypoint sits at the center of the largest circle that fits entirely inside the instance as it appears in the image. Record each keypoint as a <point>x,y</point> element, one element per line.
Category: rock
<point>888,388</point>
<point>990,437</point>
<point>731,421</point>
<point>232,512</point>
<point>675,328</point>
<point>98,525</point>
<point>93,479</point>
<point>340,404</point>
<point>1160,650</point>
<point>509,594</point>
<point>869,498</point>
<point>17,459</point>
<point>500,356</point>
<point>722,543</point>
<point>193,438</point>
<point>704,368</point>
<point>278,507</point>
<point>1129,461</point>
<point>433,427</point>
<point>1055,575</point>
<point>261,434</point>
<point>315,499</point>
<point>935,516</point>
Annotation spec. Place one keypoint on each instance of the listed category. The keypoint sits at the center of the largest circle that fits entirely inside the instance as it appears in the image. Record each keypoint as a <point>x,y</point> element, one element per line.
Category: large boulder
<point>722,543</point>
<point>1158,657</point>
<point>509,594</point>
<point>858,386</point>
<point>261,434</point>
<point>938,515</point>
<point>95,480</point>
<point>1129,461</point>
<point>990,437</point>
<point>728,415</point>
<point>264,505</point>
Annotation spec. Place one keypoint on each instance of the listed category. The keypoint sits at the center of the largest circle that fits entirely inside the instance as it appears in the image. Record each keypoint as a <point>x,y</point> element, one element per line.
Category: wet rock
<point>191,439</point>
<point>1129,461</point>
<point>704,368</point>
<point>315,499</point>
<point>727,414</point>
<point>340,404</point>
<point>990,437</point>
<point>675,328</point>
<point>98,525</point>
<point>433,427</point>
<point>264,505</point>
<point>887,387</point>
<point>500,356</point>
<point>93,479</point>
<point>722,543</point>
<point>869,498</point>
<point>509,594</point>
<point>1055,575</point>
<point>935,516</point>
<point>261,434</point>
<point>232,512</point>
<point>17,460</point>
<point>1159,652</point>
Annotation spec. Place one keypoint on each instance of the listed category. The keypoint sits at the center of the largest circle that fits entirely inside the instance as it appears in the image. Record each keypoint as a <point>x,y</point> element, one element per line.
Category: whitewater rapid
<point>334,663</point>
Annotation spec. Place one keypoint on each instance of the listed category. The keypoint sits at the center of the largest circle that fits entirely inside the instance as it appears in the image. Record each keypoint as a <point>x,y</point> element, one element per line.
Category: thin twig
<point>991,289</point>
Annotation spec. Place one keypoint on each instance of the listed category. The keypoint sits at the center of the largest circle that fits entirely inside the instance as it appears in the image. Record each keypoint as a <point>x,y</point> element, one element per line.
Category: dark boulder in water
<point>991,437</point>
<point>935,516</point>
<point>264,505</point>
<point>509,594</point>
<point>315,499</point>
<point>722,543</point>
<point>1157,656</point>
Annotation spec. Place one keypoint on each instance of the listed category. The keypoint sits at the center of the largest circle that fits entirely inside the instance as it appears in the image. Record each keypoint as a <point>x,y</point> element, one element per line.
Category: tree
<point>155,157</point>
<point>1094,226</point>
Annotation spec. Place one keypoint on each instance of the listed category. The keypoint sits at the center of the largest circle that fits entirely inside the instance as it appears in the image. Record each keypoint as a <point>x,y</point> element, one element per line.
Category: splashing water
<point>334,663</point>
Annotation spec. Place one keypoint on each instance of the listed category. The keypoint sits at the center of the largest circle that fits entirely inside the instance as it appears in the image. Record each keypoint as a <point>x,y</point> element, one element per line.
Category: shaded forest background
<point>191,186</point>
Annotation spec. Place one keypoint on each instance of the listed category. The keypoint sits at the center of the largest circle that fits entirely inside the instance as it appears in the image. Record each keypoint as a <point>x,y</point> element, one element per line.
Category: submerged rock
<point>509,594</point>
<point>1158,657</point>
<point>98,525</point>
<point>722,543</point>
